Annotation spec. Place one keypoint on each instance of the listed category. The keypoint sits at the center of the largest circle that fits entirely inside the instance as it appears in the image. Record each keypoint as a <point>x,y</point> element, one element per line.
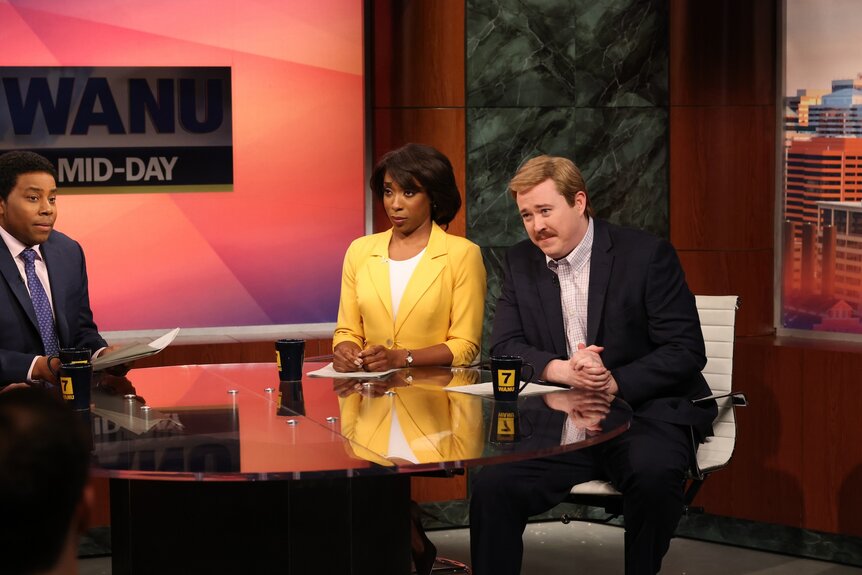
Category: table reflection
<point>129,435</point>
<point>409,417</point>
<point>413,418</point>
<point>234,419</point>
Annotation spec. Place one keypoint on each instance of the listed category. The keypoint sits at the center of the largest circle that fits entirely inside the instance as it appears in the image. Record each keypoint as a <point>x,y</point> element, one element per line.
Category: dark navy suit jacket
<point>19,331</point>
<point>639,309</point>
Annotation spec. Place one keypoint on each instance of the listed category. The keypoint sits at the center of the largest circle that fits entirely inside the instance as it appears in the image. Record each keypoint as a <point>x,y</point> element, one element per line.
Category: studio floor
<point>588,548</point>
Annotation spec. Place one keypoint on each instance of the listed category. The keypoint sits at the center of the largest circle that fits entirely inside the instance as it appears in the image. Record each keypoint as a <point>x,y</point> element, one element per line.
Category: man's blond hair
<point>564,173</point>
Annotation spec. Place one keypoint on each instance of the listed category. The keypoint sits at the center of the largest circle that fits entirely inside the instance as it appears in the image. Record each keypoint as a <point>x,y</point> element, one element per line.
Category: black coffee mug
<point>290,398</point>
<point>75,379</point>
<point>506,376</point>
<point>289,355</point>
<point>75,355</point>
<point>505,423</point>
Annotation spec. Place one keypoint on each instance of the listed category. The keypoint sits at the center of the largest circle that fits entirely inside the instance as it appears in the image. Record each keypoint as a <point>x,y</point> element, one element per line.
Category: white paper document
<point>134,351</point>
<point>329,371</point>
<point>487,389</point>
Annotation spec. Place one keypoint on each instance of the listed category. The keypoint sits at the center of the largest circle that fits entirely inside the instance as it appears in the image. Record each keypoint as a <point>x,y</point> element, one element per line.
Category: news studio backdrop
<point>210,153</point>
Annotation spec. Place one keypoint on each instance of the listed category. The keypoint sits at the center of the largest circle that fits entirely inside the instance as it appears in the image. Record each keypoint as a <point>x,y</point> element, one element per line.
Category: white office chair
<point>717,319</point>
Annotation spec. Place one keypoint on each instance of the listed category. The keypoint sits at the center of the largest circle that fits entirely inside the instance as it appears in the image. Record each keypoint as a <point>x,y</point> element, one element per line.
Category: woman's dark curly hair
<point>419,167</point>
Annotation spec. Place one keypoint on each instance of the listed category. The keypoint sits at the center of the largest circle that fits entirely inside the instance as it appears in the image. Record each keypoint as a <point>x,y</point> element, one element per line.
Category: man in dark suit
<point>603,308</point>
<point>44,302</point>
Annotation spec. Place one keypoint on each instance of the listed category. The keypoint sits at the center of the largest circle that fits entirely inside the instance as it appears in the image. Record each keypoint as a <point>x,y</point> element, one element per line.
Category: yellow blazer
<point>443,302</point>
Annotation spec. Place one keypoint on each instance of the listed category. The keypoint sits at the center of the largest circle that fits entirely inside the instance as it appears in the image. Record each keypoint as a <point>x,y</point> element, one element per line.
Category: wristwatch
<point>409,358</point>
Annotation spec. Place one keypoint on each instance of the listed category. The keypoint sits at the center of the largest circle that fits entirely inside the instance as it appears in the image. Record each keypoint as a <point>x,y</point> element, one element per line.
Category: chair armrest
<point>737,397</point>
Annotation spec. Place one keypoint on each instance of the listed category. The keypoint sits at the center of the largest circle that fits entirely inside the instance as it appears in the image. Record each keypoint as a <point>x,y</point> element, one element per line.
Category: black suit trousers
<point>647,464</point>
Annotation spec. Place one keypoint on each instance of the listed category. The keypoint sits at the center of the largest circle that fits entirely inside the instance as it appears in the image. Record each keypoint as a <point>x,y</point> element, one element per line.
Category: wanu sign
<point>160,129</point>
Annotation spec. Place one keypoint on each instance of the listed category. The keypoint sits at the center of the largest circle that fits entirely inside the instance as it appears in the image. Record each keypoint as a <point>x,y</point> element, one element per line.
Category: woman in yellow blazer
<point>412,295</point>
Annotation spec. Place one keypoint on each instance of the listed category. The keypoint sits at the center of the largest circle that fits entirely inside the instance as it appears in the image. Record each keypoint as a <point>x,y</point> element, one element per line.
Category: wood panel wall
<point>418,84</point>
<point>798,460</point>
<point>418,96</point>
<point>245,352</point>
<point>722,150</point>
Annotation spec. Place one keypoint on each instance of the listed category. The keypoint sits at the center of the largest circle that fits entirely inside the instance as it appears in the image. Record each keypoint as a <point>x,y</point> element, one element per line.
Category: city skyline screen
<point>820,267</point>
<point>266,252</point>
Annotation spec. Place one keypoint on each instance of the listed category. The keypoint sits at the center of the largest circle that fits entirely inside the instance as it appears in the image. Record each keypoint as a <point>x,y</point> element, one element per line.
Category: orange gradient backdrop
<point>267,253</point>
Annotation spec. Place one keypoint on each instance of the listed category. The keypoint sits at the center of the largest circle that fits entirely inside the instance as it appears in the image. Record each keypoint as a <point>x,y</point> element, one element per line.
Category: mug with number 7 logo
<point>506,376</point>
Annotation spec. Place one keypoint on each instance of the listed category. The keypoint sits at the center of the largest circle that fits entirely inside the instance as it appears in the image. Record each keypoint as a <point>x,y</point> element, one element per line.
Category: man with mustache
<point>605,309</point>
<point>44,300</point>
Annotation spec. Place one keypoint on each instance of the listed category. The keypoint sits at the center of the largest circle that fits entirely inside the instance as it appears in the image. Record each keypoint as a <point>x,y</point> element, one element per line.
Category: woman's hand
<point>345,357</point>
<point>379,358</point>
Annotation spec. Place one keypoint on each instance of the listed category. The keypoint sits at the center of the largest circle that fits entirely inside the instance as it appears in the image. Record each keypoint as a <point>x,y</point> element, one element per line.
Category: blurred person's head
<point>28,194</point>
<point>553,203</point>
<point>44,498</point>
<point>420,178</point>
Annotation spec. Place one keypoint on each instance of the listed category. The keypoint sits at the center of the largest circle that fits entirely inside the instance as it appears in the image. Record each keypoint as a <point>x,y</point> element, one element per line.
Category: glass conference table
<point>222,468</point>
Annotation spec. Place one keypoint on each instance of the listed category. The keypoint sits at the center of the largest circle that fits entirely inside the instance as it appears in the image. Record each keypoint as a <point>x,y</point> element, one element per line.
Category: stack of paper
<point>134,351</point>
<point>329,371</point>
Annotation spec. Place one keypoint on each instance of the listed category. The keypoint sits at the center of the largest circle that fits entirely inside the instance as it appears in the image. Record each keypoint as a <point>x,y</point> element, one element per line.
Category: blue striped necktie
<point>40,303</point>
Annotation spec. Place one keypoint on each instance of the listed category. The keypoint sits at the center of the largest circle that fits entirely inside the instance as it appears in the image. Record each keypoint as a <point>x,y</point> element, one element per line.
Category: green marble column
<point>582,79</point>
